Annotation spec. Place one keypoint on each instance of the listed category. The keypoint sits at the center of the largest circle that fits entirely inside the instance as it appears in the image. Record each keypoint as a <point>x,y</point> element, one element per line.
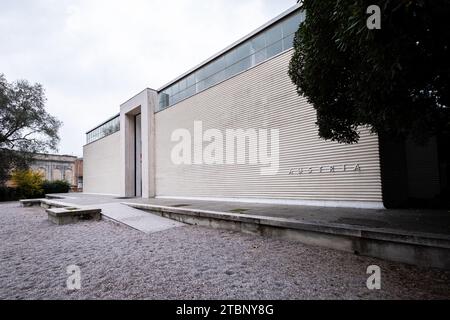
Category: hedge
<point>58,186</point>
<point>14,194</point>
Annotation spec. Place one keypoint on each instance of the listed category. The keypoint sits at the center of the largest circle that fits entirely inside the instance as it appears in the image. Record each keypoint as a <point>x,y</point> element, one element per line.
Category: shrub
<point>57,186</point>
<point>28,183</point>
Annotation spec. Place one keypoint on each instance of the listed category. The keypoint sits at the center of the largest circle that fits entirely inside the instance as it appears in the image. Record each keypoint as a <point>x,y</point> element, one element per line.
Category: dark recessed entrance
<point>415,175</point>
<point>138,156</point>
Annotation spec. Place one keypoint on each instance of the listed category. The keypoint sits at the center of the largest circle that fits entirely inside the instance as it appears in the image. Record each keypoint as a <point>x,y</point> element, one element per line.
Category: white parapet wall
<point>102,166</point>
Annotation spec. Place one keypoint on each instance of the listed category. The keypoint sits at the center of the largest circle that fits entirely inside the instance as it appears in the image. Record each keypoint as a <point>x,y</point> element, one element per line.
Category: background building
<point>60,167</point>
<point>78,174</point>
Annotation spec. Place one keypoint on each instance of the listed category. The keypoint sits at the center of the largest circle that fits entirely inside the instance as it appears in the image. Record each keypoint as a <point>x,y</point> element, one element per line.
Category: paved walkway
<point>137,219</point>
<point>422,221</point>
<point>114,210</point>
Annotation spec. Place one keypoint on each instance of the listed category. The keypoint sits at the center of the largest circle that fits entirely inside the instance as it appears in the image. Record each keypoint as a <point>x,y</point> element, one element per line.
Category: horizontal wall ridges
<point>265,98</point>
<point>101,165</point>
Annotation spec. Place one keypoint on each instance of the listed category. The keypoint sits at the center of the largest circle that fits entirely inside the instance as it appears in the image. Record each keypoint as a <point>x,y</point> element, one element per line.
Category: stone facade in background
<point>60,167</point>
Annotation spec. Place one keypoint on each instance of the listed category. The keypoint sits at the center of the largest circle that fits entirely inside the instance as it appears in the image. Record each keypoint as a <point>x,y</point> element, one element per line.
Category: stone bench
<point>44,203</point>
<point>62,216</point>
<point>48,204</point>
<point>30,202</point>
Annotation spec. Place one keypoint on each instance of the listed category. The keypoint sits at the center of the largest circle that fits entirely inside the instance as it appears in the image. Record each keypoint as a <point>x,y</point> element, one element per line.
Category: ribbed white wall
<point>101,166</point>
<point>264,97</point>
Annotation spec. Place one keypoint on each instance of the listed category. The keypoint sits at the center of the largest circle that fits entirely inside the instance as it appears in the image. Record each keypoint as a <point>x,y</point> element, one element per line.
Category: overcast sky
<point>93,55</point>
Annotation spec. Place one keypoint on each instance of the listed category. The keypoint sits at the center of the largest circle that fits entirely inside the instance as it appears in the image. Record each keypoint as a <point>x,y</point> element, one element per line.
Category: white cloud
<point>93,55</point>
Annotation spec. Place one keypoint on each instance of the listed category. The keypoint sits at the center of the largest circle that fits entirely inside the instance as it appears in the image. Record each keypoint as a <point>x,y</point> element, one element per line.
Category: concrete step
<point>44,203</point>
<point>68,215</point>
<point>31,202</point>
<point>422,249</point>
<point>62,213</point>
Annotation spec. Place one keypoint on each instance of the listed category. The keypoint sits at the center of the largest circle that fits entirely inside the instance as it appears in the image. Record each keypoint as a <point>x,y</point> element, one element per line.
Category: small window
<point>201,74</point>
<point>230,58</point>
<point>176,98</point>
<point>175,89</point>
<point>238,67</point>
<point>232,70</point>
<point>218,77</point>
<point>258,43</point>
<point>288,42</point>
<point>208,82</point>
<point>182,84</point>
<point>190,91</point>
<point>182,95</point>
<point>207,71</point>
<point>259,56</point>
<point>243,51</point>
<point>274,49</point>
<point>217,65</point>
<point>291,24</point>
<point>201,86</point>
<point>163,100</point>
<point>190,81</point>
<point>273,35</point>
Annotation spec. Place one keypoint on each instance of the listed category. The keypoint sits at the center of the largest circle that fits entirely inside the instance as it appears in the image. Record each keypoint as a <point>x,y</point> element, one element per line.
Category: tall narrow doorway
<point>138,156</point>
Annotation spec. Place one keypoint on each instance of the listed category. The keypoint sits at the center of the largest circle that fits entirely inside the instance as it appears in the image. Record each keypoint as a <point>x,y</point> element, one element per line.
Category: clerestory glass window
<point>104,130</point>
<point>264,45</point>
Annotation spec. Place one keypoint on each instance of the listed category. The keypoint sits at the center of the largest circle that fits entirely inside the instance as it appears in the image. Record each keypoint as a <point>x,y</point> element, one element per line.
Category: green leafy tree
<point>394,79</point>
<point>25,126</point>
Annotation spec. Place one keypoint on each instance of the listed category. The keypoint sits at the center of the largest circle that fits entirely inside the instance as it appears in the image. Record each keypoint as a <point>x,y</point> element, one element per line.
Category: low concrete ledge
<point>62,216</point>
<point>48,204</point>
<point>51,197</point>
<point>30,202</point>
<point>44,203</point>
<point>62,213</point>
<point>423,249</point>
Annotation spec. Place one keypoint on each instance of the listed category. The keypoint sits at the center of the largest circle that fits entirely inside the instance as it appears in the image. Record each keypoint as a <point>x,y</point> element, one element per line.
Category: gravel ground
<point>187,263</point>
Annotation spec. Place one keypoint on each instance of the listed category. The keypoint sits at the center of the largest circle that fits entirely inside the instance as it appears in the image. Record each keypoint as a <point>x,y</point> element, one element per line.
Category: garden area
<point>29,184</point>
